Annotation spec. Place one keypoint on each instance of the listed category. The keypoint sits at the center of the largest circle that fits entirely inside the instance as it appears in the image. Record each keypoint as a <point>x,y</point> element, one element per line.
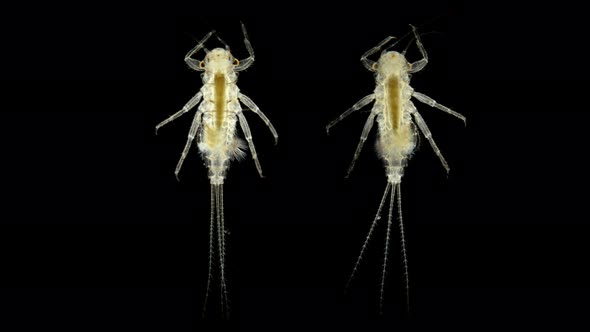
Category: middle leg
<point>432,103</point>
<point>191,103</point>
<point>254,108</point>
<point>360,104</point>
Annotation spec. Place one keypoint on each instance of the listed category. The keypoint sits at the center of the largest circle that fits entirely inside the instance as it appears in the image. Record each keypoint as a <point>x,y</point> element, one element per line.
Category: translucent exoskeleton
<point>397,119</point>
<point>214,128</point>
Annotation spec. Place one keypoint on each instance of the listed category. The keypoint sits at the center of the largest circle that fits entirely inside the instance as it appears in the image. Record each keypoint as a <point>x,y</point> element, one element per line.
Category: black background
<point>97,234</point>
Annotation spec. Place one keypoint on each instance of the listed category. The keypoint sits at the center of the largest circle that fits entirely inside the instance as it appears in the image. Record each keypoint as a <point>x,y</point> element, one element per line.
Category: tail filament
<point>217,224</point>
<point>394,190</point>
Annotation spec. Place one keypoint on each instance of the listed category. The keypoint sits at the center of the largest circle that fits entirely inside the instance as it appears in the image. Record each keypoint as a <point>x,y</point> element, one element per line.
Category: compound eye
<point>374,66</point>
<point>202,64</point>
<point>236,62</point>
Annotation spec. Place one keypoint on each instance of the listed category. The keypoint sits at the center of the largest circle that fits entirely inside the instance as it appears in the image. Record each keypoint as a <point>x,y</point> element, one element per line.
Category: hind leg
<point>191,137</point>
<point>428,135</point>
<point>248,135</point>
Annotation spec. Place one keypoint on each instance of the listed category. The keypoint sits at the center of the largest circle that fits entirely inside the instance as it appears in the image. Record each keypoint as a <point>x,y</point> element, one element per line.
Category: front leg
<point>370,64</point>
<point>193,63</point>
<point>420,64</point>
<point>247,62</point>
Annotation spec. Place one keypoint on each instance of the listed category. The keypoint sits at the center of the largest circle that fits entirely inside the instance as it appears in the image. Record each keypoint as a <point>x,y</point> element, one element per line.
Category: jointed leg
<point>191,136</point>
<point>248,135</point>
<point>247,62</point>
<point>431,102</point>
<point>420,64</point>
<point>193,63</point>
<point>360,104</point>
<point>364,135</point>
<point>250,104</point>
<point>191,103</point>
<point>428,135</point>
<point>369,63</point>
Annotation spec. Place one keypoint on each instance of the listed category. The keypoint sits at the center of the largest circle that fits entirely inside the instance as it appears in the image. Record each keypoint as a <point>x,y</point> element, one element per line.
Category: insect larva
<point>214,128</point>
<point>397,119</point>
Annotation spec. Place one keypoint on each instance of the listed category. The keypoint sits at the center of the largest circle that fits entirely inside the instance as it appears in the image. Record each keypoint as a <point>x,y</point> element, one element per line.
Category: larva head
<point>219,60</point>
<point>391,62</point>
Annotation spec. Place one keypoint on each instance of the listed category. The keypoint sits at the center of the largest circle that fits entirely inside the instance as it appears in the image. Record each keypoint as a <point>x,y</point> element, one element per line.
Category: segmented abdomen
<point>220,144</point>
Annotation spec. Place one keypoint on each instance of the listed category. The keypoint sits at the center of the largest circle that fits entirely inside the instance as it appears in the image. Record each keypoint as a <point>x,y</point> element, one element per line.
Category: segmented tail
<point>394,188</point>
<point>217,223</point>
<point>377,217</point>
